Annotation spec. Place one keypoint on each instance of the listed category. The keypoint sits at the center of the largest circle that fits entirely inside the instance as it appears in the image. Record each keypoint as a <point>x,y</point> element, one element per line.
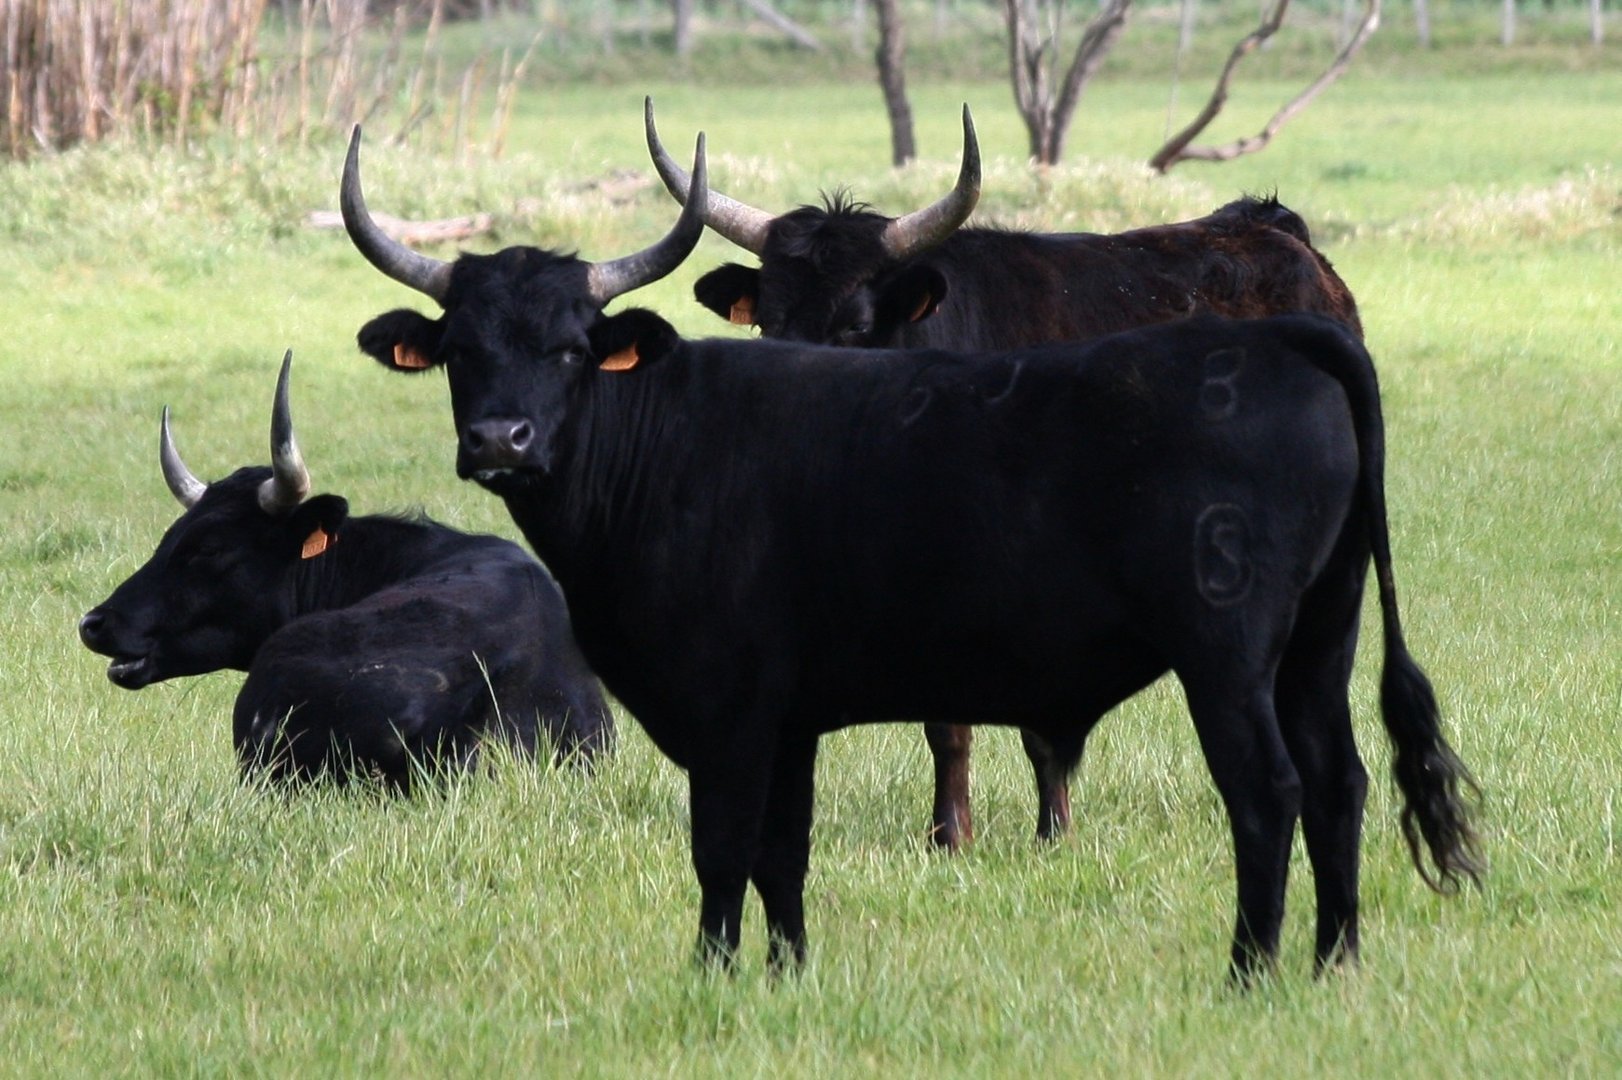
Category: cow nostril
<point>91,626</point>
<point>502,442</point>
<point>521,436</point>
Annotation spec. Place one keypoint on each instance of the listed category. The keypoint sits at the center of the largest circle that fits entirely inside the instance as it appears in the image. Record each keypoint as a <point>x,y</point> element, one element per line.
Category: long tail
<point>1440,797</point>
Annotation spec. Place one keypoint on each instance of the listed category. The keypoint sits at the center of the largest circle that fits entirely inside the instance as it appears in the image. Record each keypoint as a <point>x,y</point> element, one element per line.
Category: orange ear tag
<point>743,312</point>
<point>624,360</point>
<point>410,359</point>
<point>922,309</point>
<point>315,543</point>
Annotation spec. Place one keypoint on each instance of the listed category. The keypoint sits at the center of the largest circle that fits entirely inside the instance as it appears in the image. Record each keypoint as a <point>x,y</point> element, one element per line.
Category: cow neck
<point>991,295</point>
<point>619,455</point>
<point>368,554</point>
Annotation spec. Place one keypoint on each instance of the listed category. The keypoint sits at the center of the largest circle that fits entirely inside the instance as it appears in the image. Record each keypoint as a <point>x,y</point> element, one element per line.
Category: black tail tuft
<point>1440,797</point>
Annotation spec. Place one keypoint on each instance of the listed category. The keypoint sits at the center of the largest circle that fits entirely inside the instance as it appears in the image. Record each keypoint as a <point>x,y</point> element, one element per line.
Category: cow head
<point>835,274</point>
<point>522,329</point>
<point>221,579</point>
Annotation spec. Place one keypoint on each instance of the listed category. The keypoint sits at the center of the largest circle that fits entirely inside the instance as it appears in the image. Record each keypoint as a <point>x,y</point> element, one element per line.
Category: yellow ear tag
<point>921,309</point>
<point>743,312</point>
<point>410,359</point>
<point>315,543</point>
<point>624,360</point>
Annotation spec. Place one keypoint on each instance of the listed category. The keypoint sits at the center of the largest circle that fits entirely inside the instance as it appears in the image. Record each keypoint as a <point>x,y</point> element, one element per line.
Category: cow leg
<point>1052,786</point>
<point>1315,717</point>
<point>785,852</point>
<point>728,800</point>
<point>1245,752</point>
<point>1318,732</point>
<point>949,743</point>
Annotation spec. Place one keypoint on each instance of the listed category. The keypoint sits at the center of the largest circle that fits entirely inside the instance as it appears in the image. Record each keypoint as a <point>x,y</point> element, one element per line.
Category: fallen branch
<point>413,233</point>
<point>1178,147</point>
<point>783,24</point>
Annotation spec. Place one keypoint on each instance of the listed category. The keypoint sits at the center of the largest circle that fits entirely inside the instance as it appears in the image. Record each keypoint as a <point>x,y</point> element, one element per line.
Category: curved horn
<point>426,275</point>
<point>920,230</point>
<point>739,222</point>
<point>610,279</point>
<point>185,487</point>
<point>289,480</point>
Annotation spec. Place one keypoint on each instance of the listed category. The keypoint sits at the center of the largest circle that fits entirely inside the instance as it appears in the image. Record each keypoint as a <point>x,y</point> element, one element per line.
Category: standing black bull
<point>373,643</point>
<point>844,275</point>
<point>762,542</point>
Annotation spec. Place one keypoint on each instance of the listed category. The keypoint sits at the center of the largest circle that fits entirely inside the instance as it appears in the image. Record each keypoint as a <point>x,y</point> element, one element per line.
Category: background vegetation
<point>275,70</point>
<point>155,917</point>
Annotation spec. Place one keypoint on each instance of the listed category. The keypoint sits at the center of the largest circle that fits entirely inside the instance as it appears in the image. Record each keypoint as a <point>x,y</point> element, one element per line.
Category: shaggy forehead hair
<point>839,230</point>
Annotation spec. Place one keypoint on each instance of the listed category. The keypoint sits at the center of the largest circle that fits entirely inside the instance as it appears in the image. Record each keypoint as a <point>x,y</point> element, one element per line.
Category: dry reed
<point>74,71</point>
<point>81,70</point>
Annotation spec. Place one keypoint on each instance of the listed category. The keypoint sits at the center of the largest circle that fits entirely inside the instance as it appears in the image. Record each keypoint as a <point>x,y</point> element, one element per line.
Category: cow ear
<point>315,525</point>
<point>730,291</point>
<point>911,296</point>
<point>631,339</point>
<point>402,340</point>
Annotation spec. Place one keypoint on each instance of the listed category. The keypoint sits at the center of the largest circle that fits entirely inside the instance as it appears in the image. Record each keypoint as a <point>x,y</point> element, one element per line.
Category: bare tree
<point>1185,40</point>
<point>890,57</point>
<point>683,10</point>
<point>1033,49</point>
<point>1179,147</point>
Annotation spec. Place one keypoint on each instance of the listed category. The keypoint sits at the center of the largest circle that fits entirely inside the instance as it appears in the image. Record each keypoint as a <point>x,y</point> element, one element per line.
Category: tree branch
<point>783,24</point>
<point>1178,147</point>
<point>1095,44</point>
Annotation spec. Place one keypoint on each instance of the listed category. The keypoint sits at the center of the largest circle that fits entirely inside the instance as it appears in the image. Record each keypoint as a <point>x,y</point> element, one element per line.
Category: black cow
<point>842,274</point>
<point>763,541</point>
<point>378,644</point>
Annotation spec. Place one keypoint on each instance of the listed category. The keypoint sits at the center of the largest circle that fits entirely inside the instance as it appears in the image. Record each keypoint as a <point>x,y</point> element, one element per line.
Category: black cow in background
<point>379,645</point>
<point>842,274</point>
<point>764,541</point>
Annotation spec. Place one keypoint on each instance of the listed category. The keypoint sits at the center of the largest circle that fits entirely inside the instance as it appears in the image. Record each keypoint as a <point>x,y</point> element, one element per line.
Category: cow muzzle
<point>490,448</point>
<point>130,669</point>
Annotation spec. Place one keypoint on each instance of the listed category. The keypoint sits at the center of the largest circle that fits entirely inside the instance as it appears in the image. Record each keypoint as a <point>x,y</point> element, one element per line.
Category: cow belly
<point>1024,680</point>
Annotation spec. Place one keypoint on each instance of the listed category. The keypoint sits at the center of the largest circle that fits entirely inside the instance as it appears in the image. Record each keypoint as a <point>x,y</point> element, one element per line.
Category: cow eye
<point>855,332</point>
<point>573,356</point>
<point>202,553</point>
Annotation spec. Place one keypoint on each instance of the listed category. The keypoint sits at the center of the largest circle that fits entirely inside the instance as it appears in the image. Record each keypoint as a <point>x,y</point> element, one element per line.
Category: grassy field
<point>155,917</point>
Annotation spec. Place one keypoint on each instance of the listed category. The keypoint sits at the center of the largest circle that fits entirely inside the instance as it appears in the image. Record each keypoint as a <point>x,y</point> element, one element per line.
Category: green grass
<point>155,917</point>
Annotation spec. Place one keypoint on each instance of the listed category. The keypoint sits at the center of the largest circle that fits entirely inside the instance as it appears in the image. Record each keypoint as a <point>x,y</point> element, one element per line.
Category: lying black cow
<point>842,274</point>
<point>762,542</point>
<point>374,644</point>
